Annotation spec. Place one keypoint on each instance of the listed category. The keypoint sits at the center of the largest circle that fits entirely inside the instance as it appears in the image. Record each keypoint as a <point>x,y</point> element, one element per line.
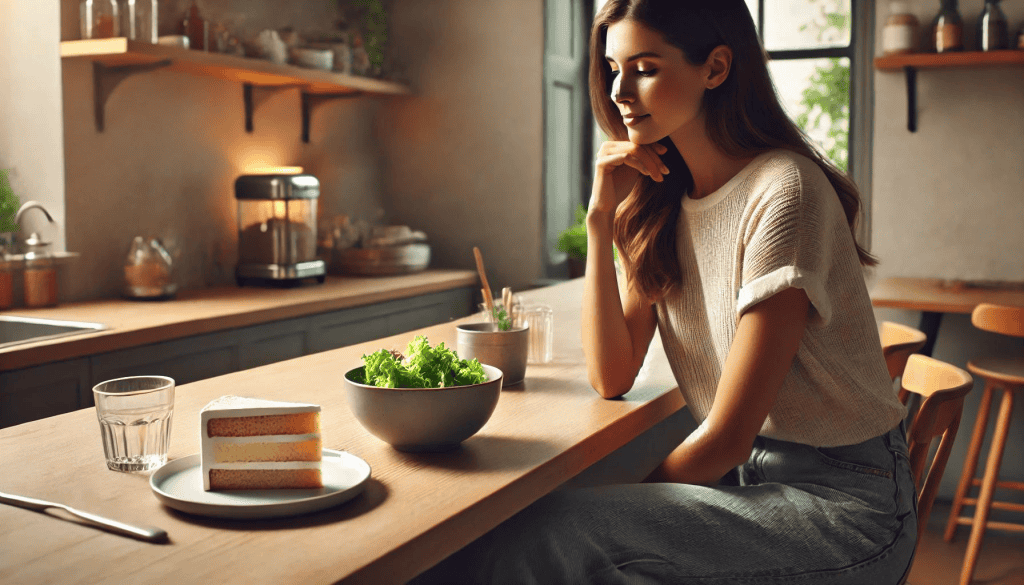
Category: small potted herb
<point>499,341</point>
<point>573,241</point>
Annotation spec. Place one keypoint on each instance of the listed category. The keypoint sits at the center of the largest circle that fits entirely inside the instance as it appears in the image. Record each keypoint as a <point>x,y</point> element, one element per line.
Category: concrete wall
<point>31,126</point>
<point>948,200</point>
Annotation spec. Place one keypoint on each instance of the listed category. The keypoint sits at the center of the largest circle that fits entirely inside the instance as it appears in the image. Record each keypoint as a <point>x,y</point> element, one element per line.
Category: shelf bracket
<point>911,73</point>
<point>312,100</point>
<point>107,77</point>
<point>253,98</point>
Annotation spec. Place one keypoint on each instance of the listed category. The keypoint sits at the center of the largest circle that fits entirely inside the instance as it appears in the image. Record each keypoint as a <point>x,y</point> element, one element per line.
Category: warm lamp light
<point>276,171</point>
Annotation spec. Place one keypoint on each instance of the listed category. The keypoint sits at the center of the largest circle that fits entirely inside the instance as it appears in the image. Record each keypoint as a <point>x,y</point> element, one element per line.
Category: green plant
<point>9,204</point>
<point>827,98</point>
<point>573,241</point>
<point>501,318</point>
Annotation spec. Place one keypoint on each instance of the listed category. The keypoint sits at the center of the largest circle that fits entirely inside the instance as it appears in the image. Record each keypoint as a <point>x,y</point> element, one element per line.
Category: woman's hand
<point>619,165</point>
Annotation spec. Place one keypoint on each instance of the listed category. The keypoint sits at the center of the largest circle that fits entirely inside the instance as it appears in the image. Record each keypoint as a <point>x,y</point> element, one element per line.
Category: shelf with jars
<point>943,46</point>
<point>115,59</point>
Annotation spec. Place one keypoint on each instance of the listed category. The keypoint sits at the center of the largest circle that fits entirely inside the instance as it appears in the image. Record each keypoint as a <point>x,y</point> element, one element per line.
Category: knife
<point>148,533</point>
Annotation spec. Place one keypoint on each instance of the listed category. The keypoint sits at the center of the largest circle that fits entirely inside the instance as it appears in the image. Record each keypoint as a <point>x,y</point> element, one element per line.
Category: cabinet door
<point>183,360</point>
<point>430,310</point>
<point>42,391</point>
<point>347,327</point>
<point>272,342</point>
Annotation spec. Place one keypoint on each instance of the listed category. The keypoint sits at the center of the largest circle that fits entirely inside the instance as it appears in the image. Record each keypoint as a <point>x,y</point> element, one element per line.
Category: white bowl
<point>313,58</point>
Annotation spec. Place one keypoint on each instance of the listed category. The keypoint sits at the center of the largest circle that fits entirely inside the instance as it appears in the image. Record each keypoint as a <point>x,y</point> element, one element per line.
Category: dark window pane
<point>816,95</point>
<point>806,24</point>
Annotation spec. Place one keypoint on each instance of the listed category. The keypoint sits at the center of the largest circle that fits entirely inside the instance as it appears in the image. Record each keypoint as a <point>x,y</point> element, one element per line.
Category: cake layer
<point>234,451</point>
<point>274,424</point>
<point>265,479</point>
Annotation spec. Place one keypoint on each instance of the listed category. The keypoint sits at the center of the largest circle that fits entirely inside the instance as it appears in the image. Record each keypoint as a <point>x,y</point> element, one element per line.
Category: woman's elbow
<point>607,387</point>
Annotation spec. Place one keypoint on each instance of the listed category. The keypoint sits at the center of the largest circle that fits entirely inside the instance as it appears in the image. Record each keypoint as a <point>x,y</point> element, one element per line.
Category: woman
<point>738,246</point>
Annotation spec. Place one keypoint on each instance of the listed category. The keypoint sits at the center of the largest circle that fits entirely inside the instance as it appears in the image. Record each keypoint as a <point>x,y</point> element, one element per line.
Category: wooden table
<point>933,297</point>
<point>416,509</point>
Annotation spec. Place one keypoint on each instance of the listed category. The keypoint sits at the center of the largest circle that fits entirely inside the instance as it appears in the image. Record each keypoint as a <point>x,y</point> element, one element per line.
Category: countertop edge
<point>113,339</point>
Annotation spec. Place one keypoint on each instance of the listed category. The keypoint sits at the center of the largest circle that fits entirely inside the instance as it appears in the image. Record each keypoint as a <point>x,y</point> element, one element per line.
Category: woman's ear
<point>717,66</point>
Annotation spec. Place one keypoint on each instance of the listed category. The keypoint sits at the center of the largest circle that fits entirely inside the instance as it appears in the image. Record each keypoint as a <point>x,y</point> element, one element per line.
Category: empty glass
<point>135,421</point>
<point>542,332</point>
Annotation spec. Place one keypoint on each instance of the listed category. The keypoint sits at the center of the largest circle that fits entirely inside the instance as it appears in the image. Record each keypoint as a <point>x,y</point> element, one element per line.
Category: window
<point>820,54</point>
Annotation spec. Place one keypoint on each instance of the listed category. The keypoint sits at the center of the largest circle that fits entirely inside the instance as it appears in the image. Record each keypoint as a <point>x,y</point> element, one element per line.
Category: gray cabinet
<point>51,389</point>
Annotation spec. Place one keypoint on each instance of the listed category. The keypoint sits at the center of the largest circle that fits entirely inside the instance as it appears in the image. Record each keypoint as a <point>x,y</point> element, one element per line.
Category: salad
<point>422,367</point>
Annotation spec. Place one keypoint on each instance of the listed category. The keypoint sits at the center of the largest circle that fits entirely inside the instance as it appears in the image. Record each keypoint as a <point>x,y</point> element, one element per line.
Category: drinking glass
<point>540,319</point>
<point>135,421</point>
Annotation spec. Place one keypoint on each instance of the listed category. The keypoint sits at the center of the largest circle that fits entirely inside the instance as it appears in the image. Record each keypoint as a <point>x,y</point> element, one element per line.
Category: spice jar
<point>99,19</point>
<point>899,35</point>
<point>139,20</point>
<point>947,31</point>
<point>992,33</point>
<point>40,274</point>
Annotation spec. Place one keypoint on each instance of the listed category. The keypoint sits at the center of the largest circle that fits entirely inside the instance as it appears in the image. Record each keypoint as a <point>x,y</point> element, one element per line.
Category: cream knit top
<point>779,224</point>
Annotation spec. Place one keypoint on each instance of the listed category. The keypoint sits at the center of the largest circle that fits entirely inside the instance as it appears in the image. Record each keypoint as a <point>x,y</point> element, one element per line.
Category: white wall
<point>948,200</point>
<point>31,121</point>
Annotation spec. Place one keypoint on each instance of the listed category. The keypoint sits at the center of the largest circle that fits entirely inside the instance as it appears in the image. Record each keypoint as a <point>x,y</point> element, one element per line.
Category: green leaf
<point>9,204</point>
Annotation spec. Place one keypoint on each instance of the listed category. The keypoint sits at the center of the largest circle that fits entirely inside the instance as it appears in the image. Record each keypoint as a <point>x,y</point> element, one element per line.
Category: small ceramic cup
<point>505,350</point>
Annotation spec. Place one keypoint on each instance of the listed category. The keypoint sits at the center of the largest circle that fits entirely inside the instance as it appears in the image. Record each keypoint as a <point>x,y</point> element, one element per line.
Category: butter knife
<point>148,533</point>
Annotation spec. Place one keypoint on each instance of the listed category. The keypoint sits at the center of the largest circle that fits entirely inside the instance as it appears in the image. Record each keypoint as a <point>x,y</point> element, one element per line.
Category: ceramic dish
<point>179,485</point>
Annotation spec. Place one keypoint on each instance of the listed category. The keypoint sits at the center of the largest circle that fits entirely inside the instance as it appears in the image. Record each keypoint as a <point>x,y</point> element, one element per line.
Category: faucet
<point>34,239</point>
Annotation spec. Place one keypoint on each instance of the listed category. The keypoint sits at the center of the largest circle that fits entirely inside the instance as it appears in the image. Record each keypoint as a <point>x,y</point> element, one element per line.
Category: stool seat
<point>1008,370</point>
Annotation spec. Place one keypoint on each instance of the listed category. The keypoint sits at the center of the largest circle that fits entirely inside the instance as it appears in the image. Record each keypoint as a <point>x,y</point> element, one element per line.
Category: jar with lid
<point>148,270</point>
<point>40,273</point>
<point>139,20</point>
<point>947,30</point>
<point>899,35</point>
<point>992,32</point>
<point>99,19</point>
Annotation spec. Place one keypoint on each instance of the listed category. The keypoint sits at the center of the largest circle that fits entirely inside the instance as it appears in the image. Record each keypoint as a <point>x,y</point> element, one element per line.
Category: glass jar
<point>149,270</point>
<point>40,274</point>
<point>947,30</point>
<point>139,20</point>
<point>992,32</point>
<point>6,278</point>
<point>899,35</point>
<point>99,19</point>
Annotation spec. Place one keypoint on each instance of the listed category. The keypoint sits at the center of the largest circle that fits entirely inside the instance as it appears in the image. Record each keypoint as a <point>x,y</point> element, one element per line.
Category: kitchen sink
<point>15,330</point>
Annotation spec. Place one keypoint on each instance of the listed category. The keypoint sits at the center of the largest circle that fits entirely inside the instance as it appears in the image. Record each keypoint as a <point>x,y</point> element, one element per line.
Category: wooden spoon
<point>488,301</point>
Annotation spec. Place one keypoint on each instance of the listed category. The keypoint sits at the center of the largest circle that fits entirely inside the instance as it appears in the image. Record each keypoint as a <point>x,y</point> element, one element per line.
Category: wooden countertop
<point>944,296</point>
<point>416,509</point>
<point>134,323</point>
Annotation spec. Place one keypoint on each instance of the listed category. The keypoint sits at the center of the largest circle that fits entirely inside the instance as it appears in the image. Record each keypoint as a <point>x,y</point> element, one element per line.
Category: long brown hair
<point>743,117</point>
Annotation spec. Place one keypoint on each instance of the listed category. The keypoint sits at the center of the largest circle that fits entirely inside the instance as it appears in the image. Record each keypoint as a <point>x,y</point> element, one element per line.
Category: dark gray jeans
<point>799,514</point>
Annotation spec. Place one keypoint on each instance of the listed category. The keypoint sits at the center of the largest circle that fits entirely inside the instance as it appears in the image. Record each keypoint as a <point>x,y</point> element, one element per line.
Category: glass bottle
<point>139,20</point>
<point>40,274</point>
<point>992,33</point>
<point>899,35</point>
<point>99,19</point>
<point>947,29</point>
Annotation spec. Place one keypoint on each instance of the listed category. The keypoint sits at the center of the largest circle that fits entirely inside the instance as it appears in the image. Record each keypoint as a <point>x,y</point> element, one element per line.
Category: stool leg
<point>971,463</point>
<point>988,486</point>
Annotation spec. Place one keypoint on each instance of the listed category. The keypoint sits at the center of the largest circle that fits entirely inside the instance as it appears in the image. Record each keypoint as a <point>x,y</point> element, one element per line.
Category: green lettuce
<point>422,367</point>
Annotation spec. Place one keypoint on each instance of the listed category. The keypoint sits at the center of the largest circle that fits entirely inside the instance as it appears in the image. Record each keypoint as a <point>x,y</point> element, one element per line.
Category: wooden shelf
<point>115,59</point>
<point>949,60</point>
<point>910,63</point>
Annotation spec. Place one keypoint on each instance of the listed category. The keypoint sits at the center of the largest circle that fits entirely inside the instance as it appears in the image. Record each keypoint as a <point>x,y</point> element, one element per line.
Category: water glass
<point>135,421</point>
<point>542,332</point>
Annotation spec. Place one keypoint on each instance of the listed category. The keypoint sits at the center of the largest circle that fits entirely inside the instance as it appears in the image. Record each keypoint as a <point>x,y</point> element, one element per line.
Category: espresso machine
<point>277,229</point>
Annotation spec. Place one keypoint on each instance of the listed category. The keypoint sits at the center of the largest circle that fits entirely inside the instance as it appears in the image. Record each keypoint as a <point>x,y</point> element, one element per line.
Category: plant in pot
<point>501,341</point>
<point>9,205</point>
<point>573,241</point>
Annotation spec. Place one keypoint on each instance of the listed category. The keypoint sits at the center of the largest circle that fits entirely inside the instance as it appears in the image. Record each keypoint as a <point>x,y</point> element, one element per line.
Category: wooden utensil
<point>506,299</point>
<point>488,301</point>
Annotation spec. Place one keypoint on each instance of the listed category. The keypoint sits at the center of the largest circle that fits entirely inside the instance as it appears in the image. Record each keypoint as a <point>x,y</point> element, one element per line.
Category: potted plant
<point>9,204</point>
<point>573,241</point>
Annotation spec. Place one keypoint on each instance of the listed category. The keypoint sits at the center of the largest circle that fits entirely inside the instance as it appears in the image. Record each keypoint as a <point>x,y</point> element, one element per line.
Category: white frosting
<point>241,406</point>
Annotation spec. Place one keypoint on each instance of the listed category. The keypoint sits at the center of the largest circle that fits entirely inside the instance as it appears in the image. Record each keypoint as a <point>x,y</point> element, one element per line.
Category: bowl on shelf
<point>402,259</point>
<point>423,419</point>
<point>314,58</point>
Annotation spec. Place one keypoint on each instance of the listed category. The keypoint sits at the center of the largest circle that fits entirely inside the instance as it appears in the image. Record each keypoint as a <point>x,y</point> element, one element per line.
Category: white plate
<point>179,485</point>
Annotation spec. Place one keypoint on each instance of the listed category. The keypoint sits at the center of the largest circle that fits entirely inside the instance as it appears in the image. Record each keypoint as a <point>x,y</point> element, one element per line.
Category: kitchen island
<point>416,508</point>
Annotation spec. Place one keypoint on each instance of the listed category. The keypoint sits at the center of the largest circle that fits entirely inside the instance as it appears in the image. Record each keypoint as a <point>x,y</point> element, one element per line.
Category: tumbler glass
<point>135,421</point>
<point>540,320</point>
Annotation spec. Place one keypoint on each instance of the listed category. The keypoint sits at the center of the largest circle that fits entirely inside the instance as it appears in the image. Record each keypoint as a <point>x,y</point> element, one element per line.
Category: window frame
<point>860,53</point>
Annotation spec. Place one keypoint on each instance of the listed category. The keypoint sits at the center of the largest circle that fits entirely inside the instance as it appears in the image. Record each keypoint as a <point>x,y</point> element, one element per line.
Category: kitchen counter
<point>134,323</point>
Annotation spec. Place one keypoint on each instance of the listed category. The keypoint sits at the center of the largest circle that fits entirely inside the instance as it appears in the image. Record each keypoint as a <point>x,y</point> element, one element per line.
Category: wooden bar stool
<point>942,387</point>
<point>999,374</point>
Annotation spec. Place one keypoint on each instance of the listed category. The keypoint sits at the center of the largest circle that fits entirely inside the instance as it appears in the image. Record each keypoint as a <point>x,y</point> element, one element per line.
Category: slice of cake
<point>253,444</point>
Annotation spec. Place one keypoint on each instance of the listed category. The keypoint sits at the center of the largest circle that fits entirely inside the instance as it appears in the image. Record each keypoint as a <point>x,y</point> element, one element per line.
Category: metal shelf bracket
<point>911,73</point>
<point>107,77</point>
<point>312,100</point>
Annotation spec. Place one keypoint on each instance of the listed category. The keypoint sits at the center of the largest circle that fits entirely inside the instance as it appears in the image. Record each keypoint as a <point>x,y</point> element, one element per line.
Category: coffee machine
<point>277,229</point>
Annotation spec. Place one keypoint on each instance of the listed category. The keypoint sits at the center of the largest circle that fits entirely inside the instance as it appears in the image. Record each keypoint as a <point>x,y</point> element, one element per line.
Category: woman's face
<point>657,91</point>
